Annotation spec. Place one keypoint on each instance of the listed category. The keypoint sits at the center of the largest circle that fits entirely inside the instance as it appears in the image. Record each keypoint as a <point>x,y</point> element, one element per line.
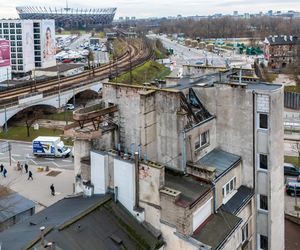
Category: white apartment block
<point>32,43</point>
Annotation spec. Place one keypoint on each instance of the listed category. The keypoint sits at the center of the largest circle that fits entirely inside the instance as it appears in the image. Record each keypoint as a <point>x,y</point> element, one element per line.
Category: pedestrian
<point>18,166</point>
<point>52,189</point>
<point>1,168</point>
<point>26,168</point>
<point>30,175</point>
<point>4,172</point>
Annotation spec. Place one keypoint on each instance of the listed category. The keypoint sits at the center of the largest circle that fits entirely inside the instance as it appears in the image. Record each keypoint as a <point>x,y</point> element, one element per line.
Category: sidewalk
<point>38,189</point>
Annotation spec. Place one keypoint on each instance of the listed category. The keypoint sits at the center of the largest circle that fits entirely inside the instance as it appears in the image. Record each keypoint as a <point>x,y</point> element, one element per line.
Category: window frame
<point>259,203</point>
<point>199,144</point>
<point>260,163</point>
<point>260,242</point>
<point>259,120</point>
<point>226,189</point>
<point>245,233</point>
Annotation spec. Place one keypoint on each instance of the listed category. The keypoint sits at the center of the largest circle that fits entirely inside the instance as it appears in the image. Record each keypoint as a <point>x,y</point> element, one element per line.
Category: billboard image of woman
<point>49,45</point>
<point>4,53</point>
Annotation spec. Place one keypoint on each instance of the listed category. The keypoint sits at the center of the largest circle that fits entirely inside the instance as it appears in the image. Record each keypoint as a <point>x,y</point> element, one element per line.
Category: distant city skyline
<point>158,8</point>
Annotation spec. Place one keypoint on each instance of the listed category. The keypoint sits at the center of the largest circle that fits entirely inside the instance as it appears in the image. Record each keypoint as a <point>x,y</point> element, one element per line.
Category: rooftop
<point>240,199</point>
<point>282,40</point>
<point>220,160</point>
<point>13,204</point>
<point>263,86</point>
<point>190,187</point>
<point>82,223</point>
<point>217,228</point>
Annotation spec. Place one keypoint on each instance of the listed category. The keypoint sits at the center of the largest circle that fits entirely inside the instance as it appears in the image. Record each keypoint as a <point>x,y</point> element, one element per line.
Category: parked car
<point>69,106</point>
<point>290,169</point>
<point>293,188</point>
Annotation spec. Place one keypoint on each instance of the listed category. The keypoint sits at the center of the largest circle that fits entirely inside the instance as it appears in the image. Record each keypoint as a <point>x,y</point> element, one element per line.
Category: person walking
<point>4,172</point>
<point>26,168</point>
<point>1,168</point>
<point>52,189</point>
<point>18,166</point>
<point>30,175</point>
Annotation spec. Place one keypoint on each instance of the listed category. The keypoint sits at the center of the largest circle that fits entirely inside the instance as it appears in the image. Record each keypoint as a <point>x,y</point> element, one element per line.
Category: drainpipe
<point>214,197</point>
<point>254,136</point>
<point>136,161</point>
<point>183,160</point>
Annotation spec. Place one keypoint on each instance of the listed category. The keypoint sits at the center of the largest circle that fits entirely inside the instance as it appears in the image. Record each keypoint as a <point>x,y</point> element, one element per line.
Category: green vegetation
<point>270,77</point>
<point>292,88</point>
<point>293,160</point>
<point>119,46</point>
<point>20,134</point>
<point>63,116</point>
<point>145,73</point>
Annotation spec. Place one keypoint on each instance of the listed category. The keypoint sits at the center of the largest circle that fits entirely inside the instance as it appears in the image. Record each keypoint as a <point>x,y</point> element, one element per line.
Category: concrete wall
<point>234,132</point>
<point>193,135</point>
<point>276,177</point>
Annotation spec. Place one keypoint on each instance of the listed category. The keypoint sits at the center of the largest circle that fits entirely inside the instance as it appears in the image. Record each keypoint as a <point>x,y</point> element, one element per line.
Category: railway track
<point>138,54</point>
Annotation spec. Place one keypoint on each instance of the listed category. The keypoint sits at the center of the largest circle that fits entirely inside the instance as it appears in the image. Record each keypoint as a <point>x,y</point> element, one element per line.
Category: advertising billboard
<point>4,53</point>
<point>48,43</point>
<point>28,46</point>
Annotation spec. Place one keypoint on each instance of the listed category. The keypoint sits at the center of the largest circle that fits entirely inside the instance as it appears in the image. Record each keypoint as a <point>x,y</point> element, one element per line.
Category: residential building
<point>280,51</point>
<point>212,154</point>
<point>32,43</point>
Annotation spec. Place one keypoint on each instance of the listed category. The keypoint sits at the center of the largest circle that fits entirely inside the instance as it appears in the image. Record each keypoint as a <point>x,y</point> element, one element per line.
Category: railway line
<point>136,55</point>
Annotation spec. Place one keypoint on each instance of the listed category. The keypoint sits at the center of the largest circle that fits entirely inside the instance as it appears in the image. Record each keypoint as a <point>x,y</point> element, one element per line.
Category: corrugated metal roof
<point>220,160</point>
<point>242,196</point>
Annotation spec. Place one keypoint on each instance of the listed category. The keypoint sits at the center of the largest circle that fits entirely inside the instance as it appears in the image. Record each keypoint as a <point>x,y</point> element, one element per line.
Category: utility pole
<point>130,65</point>
<point>7,77</point>
<point>58,77</point>
<point>5,117</point>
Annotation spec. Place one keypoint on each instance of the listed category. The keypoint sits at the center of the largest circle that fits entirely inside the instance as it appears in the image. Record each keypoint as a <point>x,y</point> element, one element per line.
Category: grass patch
<point>270,77</point>
<point>292,88</point>
<point>145,73</point>
<point>63,116</point>
<point>20,134</point>
<point>293,160</point>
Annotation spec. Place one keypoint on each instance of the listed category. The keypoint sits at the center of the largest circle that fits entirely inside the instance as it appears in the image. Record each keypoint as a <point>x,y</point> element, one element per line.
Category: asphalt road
<point>185,55</point>
<point>23,152</point>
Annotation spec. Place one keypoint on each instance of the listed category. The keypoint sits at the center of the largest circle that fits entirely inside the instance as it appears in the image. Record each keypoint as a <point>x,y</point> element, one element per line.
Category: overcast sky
<point>156,8</point>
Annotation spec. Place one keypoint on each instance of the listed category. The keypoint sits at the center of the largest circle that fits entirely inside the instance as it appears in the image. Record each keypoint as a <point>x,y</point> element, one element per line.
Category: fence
<point>292,100</point>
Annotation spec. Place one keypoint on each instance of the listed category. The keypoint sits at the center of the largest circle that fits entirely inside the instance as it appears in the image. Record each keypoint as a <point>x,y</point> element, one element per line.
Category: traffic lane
<point>292,233</point>
<point>23,152</point>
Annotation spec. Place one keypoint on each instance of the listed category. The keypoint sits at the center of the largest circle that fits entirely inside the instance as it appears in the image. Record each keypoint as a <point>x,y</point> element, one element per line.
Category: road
<point>186,55</point>
<point>292,233</point>
<point>23,152</point>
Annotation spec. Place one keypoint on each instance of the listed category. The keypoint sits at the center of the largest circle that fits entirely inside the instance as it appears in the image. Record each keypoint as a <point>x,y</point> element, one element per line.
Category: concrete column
<point>81,149</point>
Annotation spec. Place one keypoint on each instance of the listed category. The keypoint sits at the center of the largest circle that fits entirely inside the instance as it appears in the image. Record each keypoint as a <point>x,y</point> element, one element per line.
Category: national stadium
<point>69,17</point>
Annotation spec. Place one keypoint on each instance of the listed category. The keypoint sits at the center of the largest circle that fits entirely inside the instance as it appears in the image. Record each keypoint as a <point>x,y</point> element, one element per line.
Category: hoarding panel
<point>4,53</point>
<point>48,43</point>
<point>28,47</point>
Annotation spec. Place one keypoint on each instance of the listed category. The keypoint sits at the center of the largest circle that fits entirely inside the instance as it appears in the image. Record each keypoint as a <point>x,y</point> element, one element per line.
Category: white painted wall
<point>99,173</point>
<point>124,179</point>
<point>5,73</point>
<point>202,214</point>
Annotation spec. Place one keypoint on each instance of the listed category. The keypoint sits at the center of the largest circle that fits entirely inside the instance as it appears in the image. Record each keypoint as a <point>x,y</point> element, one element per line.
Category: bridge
<point>56,93</point>
<point>56,99</point>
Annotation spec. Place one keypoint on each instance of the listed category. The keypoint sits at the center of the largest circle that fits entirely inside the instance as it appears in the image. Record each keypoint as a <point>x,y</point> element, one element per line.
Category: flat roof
<point>217,228</point>
<point>219,159</point>
<point>14,204</point>
<point>190,187</point>
<point>263,86</point>
<point>62,67</point>
<point>241,198</point>
<point>82,223</point>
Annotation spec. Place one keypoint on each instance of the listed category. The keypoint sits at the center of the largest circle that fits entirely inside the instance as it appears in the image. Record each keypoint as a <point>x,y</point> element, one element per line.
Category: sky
<point>158,8</point>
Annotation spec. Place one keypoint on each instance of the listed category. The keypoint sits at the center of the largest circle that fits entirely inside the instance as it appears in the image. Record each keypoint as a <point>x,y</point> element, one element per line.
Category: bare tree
<point>296,148</point>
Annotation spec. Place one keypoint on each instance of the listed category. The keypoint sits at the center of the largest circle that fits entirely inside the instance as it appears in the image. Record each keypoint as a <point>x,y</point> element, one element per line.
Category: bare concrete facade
<point>227,136</point>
